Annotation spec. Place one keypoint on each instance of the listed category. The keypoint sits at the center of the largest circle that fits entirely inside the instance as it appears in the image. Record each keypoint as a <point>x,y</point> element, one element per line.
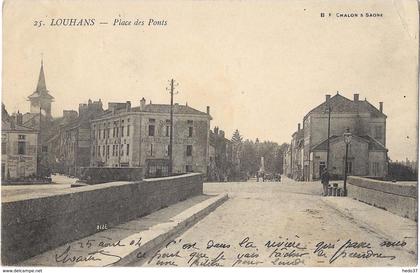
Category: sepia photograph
<point>231,133</point>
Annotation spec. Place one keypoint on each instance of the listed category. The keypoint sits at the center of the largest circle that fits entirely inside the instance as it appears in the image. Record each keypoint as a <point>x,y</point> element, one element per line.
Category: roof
<point>155,108</point>
<point>41,87</point>
<point>341,104</point>
<point>7,126</point>
<point>166,108</point>
<point>373,144</point>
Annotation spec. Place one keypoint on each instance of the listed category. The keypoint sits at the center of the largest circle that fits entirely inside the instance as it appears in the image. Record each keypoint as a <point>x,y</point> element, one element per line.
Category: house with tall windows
<point>368,155</point>
<point>126,136</point>
<point>19,148</point>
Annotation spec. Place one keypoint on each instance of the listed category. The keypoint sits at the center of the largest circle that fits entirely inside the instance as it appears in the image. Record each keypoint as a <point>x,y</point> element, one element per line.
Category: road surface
<point>284,224</point>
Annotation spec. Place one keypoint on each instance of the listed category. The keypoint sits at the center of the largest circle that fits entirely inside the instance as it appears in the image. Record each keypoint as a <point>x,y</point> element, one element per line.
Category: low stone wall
<point>396,198</point>
<point>96,175</point>
<point>32,226</point>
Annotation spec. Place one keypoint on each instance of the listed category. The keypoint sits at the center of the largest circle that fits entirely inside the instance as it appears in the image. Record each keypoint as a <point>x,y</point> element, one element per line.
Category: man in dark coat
<point>325,180</point>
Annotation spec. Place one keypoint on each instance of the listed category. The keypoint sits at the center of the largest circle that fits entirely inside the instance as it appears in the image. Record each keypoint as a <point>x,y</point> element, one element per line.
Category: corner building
<point>128,136</point>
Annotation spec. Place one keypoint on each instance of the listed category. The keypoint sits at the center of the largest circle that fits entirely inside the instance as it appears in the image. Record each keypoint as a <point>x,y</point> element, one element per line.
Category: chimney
<point>222,133</point>
<point>208,110</point>
<point>142,104</point>
<point>19,118</point>
<point>128,106</point>
<point>298,127</point>
<point>216,130</point>
<point>356,97</point>
<point>327,98</point>
<point>381,107</point>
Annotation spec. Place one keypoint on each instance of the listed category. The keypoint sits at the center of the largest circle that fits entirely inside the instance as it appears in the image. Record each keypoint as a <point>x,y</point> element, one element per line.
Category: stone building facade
<point>18,149</point>
<point>293,158</point>
<point>69,148</point>
<point>367,151</point>
<point>126,136</point>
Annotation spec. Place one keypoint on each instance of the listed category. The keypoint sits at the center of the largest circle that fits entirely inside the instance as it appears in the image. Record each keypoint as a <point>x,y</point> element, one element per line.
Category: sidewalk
<point>119,244</point>
<point>386,224</point>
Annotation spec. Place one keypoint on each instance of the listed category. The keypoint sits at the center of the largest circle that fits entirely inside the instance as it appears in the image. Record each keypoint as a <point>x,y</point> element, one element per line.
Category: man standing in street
<point>325,180</point>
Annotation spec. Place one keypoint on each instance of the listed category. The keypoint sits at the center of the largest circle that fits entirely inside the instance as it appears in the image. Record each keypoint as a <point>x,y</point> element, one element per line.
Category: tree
<point>249,158</point>
<point>236,138</point>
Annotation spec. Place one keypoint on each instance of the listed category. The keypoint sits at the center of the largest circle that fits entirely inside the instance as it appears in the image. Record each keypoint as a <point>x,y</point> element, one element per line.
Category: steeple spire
<point>41,86</point>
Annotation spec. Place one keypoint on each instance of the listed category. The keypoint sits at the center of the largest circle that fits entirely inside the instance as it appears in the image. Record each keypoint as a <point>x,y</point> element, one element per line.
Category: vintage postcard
<point>209,133</point>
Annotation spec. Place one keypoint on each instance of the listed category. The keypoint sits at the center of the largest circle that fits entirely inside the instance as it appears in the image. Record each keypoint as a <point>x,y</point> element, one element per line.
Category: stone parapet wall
<point>395,198</point>
<point>34,225</point>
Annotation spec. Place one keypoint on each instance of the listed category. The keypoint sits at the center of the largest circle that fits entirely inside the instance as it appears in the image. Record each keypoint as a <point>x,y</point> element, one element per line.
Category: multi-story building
<point>69,148</point>
<point>139,137</point>
<point>367,151</point>
<point>220,156</point>
<point>18,149</point>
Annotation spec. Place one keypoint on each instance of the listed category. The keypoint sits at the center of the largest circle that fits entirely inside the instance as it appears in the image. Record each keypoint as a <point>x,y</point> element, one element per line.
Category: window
<point>189,150</point>
<point>103,136</point>
<point>113,132</point>
<point>152,170</point>
<point>3,147</point>
<point>21,144</point>
<point>151,130</point>
<point>116,131</point>
<point>107,151</point>
<point>103,150</point>
<point>128,149</point>
<point>122,131</point>
<point>167,150</point>
<point>188,168</point>
<point>168,129</point>
<point>99,151</point>
<point>128,130</point>
<point>44,149</point>
<point>378,132</point>
<point>190,131</point>
<point>375,169</point>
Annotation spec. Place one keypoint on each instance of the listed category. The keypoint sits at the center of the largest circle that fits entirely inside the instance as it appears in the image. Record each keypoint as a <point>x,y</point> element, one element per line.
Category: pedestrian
<point>325,180</point>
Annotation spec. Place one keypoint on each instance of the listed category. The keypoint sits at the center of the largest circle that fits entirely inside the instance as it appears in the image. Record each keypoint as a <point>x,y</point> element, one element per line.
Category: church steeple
<point>41,86</point>
<point>41,99</point>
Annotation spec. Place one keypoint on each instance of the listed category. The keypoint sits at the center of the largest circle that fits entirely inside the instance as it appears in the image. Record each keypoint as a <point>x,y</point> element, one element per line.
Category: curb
<point>142,242</point>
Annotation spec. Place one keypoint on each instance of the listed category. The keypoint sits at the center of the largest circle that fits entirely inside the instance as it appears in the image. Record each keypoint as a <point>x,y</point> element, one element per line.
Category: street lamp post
<point>347,139</point>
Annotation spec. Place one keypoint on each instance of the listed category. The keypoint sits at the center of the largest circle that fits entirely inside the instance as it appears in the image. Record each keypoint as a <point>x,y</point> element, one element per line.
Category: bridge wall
<point>34,225</point>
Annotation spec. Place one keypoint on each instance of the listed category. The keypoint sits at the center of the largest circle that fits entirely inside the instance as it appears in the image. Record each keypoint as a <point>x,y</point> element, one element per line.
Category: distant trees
<point>400,172</point>
<point>249,155</point>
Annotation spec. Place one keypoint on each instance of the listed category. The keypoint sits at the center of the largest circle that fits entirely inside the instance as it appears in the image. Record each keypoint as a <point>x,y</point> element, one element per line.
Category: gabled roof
<point>341,104</point>
<point>373,144</point>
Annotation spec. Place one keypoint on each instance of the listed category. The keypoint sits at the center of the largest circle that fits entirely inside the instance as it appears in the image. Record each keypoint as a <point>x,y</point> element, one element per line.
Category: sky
<point>259,65</point>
